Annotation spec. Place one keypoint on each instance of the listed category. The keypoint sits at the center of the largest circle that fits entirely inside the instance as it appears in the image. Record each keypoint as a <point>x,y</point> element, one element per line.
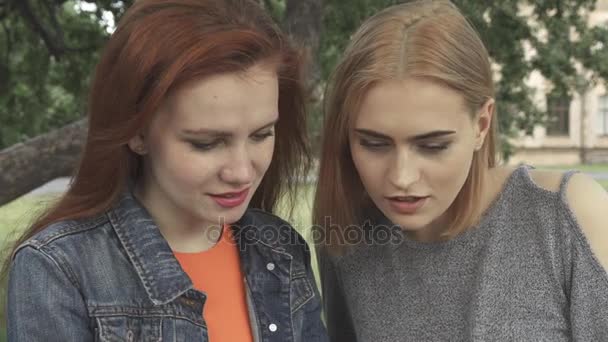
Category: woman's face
<point>412,144</point>
<point>208,147</point>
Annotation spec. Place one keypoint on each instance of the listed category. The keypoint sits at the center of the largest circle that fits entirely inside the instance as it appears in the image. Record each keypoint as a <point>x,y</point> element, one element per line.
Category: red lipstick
<point>230,199</point>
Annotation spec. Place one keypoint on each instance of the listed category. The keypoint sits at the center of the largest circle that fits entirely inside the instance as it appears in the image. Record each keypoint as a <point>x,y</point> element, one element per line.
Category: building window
<point>558,108</point>
<point>602,115</point>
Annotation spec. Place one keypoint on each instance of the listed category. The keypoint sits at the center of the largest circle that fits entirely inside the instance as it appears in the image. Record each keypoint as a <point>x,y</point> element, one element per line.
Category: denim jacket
<point>114,278</point>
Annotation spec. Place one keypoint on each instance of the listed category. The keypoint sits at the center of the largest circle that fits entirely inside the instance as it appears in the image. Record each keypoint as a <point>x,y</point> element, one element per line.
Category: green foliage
<point>340,20</point>
<point>276,8</point>
<point>40,90</point>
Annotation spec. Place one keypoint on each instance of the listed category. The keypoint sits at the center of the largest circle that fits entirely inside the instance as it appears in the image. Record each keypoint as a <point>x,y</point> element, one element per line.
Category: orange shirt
<point>217,272</point>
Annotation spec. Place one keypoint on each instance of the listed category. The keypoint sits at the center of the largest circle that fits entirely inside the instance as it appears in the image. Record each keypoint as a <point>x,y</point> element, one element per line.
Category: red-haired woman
<point>196,128</point>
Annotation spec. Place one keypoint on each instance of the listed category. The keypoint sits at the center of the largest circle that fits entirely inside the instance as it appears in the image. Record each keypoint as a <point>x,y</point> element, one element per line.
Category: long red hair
<point>158,46</point>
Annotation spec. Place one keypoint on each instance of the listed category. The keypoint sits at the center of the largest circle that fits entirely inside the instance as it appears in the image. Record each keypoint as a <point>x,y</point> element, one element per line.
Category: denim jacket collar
<point>150,254</point>
<point>152,257</point>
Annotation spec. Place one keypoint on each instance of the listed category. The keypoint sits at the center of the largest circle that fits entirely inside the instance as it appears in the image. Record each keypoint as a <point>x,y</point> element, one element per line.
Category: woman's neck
<point>492,184</point>
<point>184,234</point>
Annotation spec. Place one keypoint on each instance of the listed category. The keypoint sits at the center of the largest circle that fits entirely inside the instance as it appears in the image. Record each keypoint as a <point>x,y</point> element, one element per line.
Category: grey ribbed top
<point>525,273</point>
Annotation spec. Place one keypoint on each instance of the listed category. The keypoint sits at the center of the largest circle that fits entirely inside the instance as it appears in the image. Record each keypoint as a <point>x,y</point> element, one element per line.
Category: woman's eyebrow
<point>424,136</point>
<point>433,134</point>
<point>220,133</point>
<point>370,133</point>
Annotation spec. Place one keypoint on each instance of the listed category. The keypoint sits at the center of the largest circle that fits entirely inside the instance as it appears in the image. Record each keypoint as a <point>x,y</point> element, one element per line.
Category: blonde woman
<point>426,237</point>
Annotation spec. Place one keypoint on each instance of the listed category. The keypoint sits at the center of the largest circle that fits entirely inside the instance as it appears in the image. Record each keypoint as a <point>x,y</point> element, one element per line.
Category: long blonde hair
<point>431,40</point>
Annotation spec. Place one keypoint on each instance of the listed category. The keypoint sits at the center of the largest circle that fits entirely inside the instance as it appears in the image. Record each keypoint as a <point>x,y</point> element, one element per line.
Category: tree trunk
<point>28,165</point>
<point>302,22</point>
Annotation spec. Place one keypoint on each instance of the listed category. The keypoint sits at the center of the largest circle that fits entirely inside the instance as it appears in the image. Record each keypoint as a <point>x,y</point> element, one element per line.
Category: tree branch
<point>9,42</point>
<point>267,4</point>
<point>53,17</point>
<point>54,44</point>
<point>4,67</point>
<point>28,165</point>
<point>3,9</point>
<point>303,24</point>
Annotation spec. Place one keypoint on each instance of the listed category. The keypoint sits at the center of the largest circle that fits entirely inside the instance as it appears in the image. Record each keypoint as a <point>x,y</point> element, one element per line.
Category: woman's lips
<point>407,204</point>
<point>230,199</point>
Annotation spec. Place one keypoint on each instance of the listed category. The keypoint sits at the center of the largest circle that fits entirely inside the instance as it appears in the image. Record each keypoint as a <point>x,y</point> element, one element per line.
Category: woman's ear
<point>483,123</point>
<point>137,144</point>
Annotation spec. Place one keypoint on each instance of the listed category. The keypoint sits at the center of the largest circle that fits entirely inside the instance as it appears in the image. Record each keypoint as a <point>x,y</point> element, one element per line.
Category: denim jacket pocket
<point>301,292</point>
<point>172,322</point>
<point>128,329</point>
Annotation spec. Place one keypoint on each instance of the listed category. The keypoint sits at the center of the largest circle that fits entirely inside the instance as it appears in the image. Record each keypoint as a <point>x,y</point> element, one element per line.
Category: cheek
<point>453,171</point>
<point>357,159</point>
<point>368,167</point>
<point>174,161</point>
<point>188,172</point>
<point>185,165</point>
<point>262,155</point>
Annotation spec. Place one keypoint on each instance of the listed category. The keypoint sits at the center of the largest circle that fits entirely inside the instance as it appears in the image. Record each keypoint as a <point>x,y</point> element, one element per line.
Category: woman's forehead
<point>410,103</point>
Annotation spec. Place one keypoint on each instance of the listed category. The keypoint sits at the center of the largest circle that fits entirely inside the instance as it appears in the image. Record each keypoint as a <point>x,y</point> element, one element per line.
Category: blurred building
<point>579,133</point>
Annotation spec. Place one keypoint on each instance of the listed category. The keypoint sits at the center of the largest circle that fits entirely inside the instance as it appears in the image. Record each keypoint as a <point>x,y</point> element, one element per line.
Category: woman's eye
<point>373,144</point>
<point>434,147</point>
<point>204,146</point>
<point>262,136</point>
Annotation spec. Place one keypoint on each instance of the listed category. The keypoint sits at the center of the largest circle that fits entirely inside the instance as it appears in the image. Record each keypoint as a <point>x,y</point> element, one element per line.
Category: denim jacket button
<point>270,266</point>
<point>272,327</point>
<point>189,302</point>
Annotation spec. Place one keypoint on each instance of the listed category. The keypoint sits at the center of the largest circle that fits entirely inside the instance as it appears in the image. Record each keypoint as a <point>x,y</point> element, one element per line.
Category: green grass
<point>16,215</point>
<point>301,220</point>
<point>591,168</point>
<point>584,168</point>
<point>14,218</point>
